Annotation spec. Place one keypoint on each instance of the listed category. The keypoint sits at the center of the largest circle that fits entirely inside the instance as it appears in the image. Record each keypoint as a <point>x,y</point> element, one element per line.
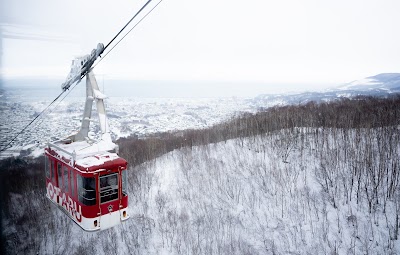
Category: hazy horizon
<point>165,88</point>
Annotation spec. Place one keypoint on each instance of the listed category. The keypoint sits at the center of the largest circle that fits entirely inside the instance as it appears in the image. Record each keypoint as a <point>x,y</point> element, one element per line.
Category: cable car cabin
<point>88,183</point>
<point>84,177</point>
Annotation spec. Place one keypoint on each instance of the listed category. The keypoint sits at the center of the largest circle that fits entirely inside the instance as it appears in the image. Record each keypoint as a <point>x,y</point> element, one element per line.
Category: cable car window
<point>108,187</point>
<point>87,190</point>
<point>72,183</point>
<point>59,171</point>
<point>53,171</point>
<point>47,168</point>
<point>65,179</point>
<point>124,184</point>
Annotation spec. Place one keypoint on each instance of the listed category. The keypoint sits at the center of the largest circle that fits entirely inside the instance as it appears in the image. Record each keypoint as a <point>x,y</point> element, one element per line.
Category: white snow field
<point>298,191</point>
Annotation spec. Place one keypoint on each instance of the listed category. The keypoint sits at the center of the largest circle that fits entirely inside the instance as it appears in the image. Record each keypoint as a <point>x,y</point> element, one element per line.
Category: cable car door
<point>109,199</point>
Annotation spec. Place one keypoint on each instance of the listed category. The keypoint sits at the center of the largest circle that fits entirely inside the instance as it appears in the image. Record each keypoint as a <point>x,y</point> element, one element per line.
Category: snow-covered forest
<point>306,179</point>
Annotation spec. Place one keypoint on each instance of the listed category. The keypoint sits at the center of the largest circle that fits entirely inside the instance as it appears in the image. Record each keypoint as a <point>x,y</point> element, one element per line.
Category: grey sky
<point>286,41</point>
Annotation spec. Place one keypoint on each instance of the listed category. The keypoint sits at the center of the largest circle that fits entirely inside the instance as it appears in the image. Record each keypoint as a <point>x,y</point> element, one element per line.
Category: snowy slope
<point>257,195</point>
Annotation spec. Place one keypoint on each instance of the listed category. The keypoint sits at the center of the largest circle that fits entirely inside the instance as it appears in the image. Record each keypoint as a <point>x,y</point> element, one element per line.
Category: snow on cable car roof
<point>84,153</point>
<point>97,160</point>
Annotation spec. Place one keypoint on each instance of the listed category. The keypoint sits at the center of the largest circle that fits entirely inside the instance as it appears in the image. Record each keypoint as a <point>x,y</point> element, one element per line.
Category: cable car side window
<point>72,183</point>
<point>87,190</point>
<point>59,171</point>
<point>108,187</point>
<point>47,167</point>
<point>65,170</point>
<point>53,171</point>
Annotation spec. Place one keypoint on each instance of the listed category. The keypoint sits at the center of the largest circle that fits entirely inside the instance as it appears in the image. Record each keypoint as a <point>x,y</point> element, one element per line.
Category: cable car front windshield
<point>108,187</point>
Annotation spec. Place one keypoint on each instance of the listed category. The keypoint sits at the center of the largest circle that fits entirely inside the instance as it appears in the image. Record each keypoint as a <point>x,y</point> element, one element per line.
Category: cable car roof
<point>87,156</point>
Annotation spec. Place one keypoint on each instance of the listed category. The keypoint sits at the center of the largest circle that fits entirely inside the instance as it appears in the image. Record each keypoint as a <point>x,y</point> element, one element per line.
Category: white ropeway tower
<point>80,144</point>
<point>93,94</point>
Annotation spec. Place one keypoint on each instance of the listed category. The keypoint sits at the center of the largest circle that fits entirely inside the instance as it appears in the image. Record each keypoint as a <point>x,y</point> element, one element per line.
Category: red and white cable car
<point>86,178</point>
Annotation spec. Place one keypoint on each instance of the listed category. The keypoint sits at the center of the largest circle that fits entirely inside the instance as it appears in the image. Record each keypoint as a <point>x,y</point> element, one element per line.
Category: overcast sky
<point>285,41</point>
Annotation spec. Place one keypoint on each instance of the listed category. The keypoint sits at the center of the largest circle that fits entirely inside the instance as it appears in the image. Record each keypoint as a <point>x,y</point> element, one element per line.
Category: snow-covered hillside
<point>292,191</point>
